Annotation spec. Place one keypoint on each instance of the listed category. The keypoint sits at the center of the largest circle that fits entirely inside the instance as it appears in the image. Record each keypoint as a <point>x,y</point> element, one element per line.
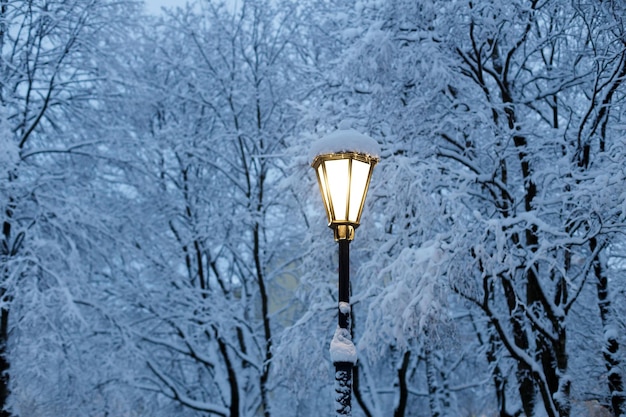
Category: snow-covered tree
<point>210,130</point>
<point>56,199</point>
<point>54,233</point>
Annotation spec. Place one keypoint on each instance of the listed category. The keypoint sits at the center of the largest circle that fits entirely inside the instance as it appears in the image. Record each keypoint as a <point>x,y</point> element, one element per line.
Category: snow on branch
<point>176,394</point>
<point>415,298</point>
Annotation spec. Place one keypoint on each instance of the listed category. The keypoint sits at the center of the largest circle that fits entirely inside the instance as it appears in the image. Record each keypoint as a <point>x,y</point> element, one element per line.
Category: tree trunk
<point>5,253</point>
<point>402,386</point>
<point>433,389</point>
<point>232,378</point>
<point>267,332</point>
<point>499,380</point>
<point>4,362</point>
<point>611,344</point>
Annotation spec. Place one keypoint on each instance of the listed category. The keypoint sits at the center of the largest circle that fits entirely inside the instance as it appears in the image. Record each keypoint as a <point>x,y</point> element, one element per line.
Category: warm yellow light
<point>338,179</point>
<point>344,180</point>
<point>359,180</point>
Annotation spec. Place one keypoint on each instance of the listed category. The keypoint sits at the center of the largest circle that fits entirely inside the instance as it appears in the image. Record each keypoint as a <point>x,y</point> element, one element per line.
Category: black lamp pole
<point>343,163</point>
<point>343,370</point>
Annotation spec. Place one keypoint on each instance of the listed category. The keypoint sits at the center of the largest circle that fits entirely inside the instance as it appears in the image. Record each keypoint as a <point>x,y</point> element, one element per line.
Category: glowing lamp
<point>344,161</point>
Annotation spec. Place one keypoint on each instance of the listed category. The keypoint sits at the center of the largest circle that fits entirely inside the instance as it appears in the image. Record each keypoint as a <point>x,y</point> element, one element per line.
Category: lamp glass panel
<point>322,181</point>
<point>338,179</point>
<point>360,172</point>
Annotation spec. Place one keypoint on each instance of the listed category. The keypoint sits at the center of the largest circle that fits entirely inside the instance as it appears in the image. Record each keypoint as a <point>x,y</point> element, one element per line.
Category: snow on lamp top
<point>345,140</point>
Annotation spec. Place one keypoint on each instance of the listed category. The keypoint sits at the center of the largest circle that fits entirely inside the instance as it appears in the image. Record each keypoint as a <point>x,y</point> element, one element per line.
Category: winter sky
<point>154,6</point>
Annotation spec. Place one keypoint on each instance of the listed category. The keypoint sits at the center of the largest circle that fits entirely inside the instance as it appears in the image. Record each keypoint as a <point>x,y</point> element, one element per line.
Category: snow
<point>341,347</point>
<point>611,333</point>
<point>345,140</point>
<point>10,154</point>
<point>344,307</point>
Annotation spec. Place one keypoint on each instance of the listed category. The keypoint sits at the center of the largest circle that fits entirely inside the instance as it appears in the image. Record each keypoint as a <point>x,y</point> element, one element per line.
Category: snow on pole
<point>341,347</point>
<point>343,389</point>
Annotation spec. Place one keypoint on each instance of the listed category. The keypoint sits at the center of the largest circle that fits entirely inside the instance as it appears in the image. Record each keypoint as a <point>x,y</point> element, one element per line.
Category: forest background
<point>164,249</point>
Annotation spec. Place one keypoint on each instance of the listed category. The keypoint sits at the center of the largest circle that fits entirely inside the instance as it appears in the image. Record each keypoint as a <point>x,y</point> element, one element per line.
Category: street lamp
<point>344,161</point>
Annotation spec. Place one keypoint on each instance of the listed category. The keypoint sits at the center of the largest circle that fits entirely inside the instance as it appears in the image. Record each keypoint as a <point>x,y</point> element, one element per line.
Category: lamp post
<point>344,161</point>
